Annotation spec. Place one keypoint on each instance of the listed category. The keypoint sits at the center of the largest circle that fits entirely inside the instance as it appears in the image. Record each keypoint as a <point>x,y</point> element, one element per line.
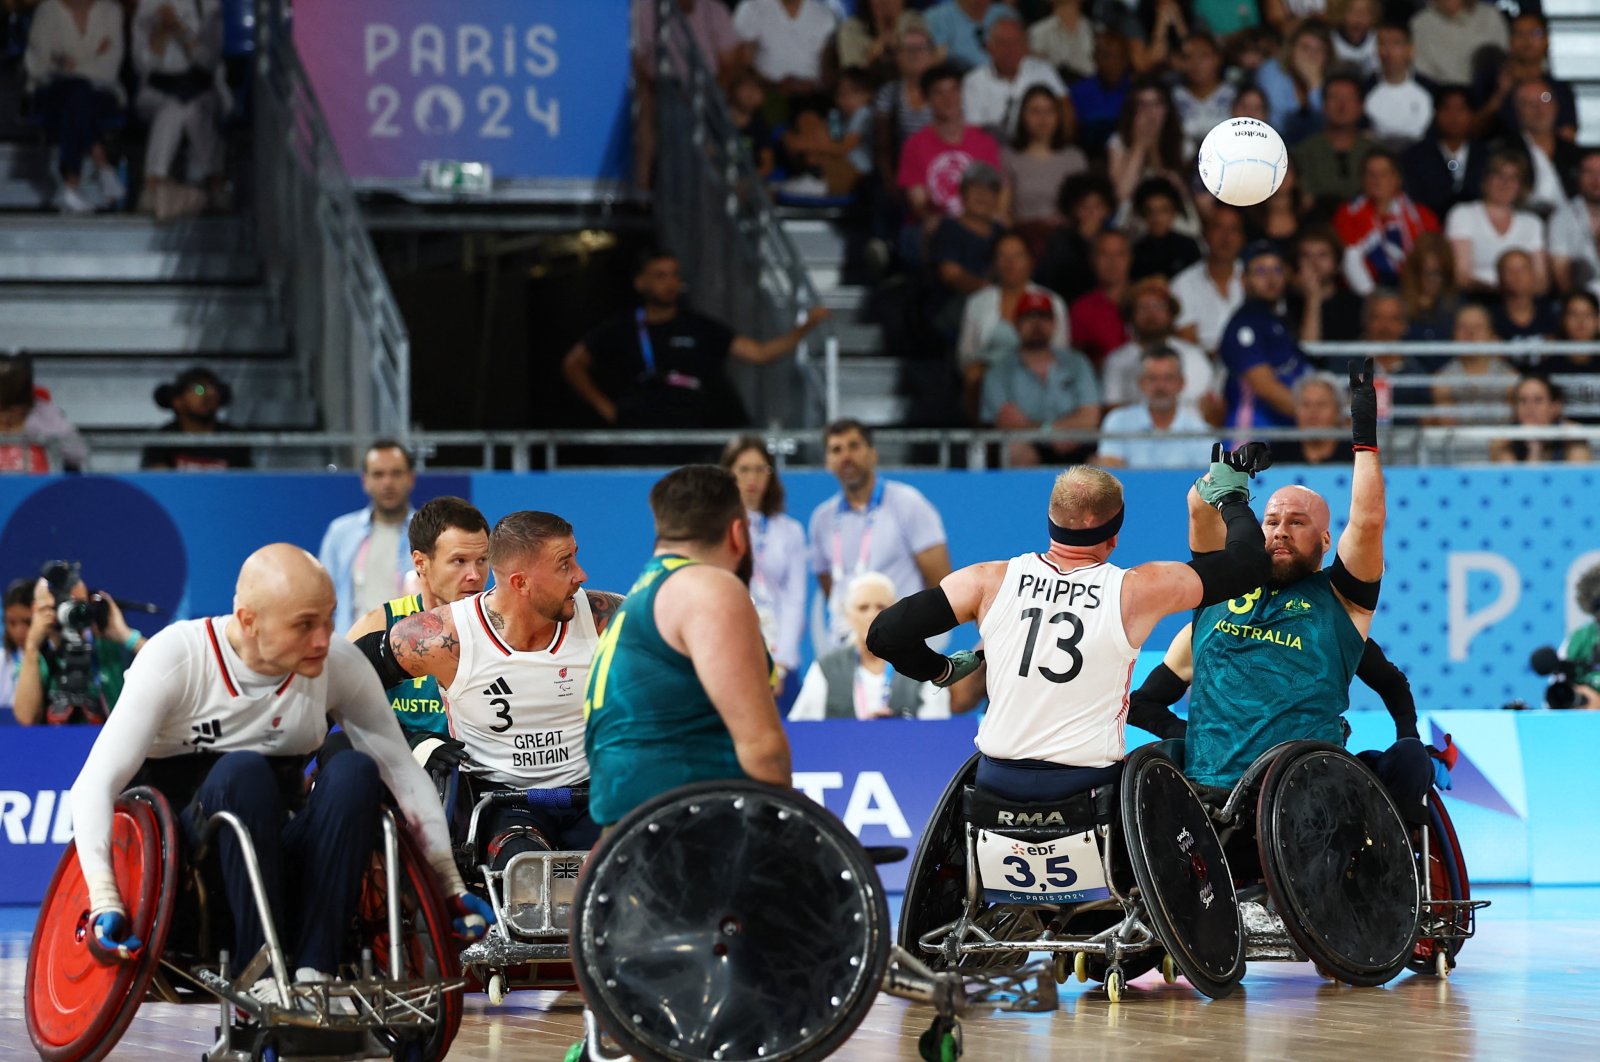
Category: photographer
<point>1575,670</point>
<point>75,653</point>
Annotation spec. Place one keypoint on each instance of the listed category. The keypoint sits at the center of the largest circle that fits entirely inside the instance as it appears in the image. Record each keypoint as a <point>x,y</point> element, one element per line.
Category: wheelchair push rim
<point>77,1003</point>
<point>430,946</point>
<point>730,920</point>
<point>1338,863</point>
<point>936,882</point>
<point>1182,873</point>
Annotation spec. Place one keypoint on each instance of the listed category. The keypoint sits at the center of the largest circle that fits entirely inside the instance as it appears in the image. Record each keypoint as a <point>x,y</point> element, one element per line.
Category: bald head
<point>1302,500</point>
<point>281,576</point>
<point>282,611</point>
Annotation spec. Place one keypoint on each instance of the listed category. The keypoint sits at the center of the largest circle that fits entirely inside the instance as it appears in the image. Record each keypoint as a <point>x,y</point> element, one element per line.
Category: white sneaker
<point>305,975</point>
<point>112,189</point>
<point>806,185</point>
<point>73,201</point>
<point>265,991</point>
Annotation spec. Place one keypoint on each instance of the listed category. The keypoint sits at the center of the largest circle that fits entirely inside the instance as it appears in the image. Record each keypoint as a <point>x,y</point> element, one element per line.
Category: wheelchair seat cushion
<point>1057,818</point>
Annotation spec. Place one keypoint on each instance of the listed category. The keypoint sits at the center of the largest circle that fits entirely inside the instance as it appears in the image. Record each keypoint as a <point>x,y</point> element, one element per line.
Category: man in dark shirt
<point>664,365</point>
<point>1260,353</point>
<point>1333,313</point>
<point>1446,167</point>
<point>195,399</point>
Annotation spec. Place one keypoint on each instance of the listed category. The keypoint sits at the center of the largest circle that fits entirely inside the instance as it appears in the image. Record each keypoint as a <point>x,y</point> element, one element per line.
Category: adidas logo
<point>500,688</point>
<point>206,733</point>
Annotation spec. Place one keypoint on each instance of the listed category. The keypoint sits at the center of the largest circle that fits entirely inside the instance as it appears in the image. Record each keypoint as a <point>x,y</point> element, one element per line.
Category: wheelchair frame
<point>391,1013</point>
<point>507,945</point>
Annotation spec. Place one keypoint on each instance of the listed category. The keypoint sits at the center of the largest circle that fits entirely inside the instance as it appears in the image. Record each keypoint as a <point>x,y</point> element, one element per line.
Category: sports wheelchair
<point>531,895</point>
<point>736,921</point>
<point>402,1001</point>
<point>1112,883</point>
<point>1330,872</point>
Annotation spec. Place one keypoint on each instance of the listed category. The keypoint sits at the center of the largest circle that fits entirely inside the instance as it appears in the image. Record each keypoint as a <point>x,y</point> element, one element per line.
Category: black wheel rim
<point>1339,864</point>
<point>936,884</point>
<point>1182,873</point>
<point>730,921</point>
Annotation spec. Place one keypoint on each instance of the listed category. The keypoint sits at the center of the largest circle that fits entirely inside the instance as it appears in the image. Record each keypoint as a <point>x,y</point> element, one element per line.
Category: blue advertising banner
<point>1520,798</point>
<point>538,89</point>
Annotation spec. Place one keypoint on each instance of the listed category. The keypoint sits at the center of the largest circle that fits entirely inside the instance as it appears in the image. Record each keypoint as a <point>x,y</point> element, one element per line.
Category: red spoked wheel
<point>78,1004</point>
<point>431,951</point>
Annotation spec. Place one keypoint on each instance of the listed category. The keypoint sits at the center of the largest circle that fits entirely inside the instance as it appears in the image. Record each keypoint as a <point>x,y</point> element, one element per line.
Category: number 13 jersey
<point>1058,665</point>
<point>521,714</point>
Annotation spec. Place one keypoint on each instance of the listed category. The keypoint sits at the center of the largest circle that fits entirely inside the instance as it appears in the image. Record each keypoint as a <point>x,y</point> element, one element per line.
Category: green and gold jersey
<point>418,703</point>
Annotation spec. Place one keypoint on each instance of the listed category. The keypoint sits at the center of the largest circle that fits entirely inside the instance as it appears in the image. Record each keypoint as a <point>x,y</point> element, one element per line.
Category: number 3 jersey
<point>521,714</point>
<point>1059,664</point>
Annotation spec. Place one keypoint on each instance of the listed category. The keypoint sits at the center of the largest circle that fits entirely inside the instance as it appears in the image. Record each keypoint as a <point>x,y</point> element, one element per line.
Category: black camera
<point>1561,692</point>
<point>76,695</point>
<point>62,577</point>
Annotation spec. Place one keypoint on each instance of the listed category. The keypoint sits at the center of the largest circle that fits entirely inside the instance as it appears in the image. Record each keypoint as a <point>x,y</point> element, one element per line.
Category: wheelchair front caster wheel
<point>941,1042</point>
<point>1080,966</point>
<point>1114,985</point>
<point>1169,970</point>
<point>1441,963</point>
<point>497,990</point>
<point>1060,966</point>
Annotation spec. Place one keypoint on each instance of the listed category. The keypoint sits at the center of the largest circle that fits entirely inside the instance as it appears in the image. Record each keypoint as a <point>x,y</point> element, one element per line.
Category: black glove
<point>1224,483</point>
<point>443,754</point>
<point>1363,407</point>
<point>1252,457</point>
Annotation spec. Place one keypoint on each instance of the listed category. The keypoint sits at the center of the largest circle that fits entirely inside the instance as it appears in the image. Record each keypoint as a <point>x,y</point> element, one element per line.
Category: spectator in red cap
<point>1041,386</point>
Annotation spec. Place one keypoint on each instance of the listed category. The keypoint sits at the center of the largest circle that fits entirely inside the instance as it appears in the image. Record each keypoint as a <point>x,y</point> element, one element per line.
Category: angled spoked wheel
<point>77,1002</point>
<point>1182,873</point>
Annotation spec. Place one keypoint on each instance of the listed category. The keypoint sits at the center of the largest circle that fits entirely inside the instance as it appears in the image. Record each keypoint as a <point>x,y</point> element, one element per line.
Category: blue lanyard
<point>645,348</point>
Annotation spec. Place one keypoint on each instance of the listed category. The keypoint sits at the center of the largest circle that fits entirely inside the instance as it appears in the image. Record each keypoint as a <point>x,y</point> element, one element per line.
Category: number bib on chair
<point>1065,870</point>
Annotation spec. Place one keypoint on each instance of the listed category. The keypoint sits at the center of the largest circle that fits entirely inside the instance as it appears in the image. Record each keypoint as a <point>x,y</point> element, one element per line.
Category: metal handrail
<point>344,315</point>
<point>955,448</point>
<point>1438,348</point>
<point>721,163</point>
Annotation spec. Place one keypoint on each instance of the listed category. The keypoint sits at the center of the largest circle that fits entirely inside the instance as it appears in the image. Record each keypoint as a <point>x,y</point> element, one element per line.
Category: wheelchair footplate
<point>527,947</point>
<point>1266,938</point>
<point>368,1016</point>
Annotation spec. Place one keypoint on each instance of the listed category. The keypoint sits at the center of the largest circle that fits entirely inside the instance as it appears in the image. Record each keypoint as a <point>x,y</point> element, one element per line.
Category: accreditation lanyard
<point>646,349</point>
<point>865,709</point>
<point>866,535</point>
<point>758,548</point>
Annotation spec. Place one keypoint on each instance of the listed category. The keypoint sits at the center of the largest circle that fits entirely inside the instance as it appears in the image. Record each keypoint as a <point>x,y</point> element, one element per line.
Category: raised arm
<point>706,614</point>
<point>1361,545</point>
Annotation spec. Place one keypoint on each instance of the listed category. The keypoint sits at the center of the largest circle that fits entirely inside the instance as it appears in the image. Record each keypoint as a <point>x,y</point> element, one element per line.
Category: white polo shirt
<point>990,101</point>
<point>785,47</point>
<point>1201,304</point>
<point>1156,452</point>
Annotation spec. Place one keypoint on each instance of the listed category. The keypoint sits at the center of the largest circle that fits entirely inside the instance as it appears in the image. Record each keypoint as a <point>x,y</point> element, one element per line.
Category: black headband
<point>1088,536</point>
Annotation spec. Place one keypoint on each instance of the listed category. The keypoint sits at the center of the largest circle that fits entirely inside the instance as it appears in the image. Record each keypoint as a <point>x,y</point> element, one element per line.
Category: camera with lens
<point>75,696</point>
<point>1563,674</point>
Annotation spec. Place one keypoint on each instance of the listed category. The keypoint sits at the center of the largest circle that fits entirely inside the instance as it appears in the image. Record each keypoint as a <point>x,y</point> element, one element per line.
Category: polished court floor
<point>1528,987</point>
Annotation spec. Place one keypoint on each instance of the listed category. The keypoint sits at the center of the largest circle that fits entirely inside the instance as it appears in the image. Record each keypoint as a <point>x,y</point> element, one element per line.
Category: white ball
<point>1242,161</point>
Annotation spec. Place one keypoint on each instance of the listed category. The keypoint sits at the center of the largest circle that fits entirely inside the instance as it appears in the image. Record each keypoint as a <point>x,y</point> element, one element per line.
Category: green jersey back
<point>1272,666</point>
<point>649,725</point>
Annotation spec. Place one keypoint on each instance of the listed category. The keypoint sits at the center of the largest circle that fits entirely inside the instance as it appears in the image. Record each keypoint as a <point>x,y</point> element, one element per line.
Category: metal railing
<point>972,449</point>
<point>714,213</point>
<point>342,317</point>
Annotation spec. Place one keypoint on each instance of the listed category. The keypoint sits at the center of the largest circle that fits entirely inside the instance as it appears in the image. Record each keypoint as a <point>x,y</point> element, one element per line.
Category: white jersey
<point>521,714</point>
<point>188,691</point>
<point>1059,663</point>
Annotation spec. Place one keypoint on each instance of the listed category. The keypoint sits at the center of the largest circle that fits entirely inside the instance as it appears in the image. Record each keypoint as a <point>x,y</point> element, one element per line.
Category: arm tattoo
<point>603,605</point>
<point>420,639</point>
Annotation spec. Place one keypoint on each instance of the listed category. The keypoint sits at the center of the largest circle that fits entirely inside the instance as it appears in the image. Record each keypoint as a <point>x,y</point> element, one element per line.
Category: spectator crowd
<point>1039,242</point>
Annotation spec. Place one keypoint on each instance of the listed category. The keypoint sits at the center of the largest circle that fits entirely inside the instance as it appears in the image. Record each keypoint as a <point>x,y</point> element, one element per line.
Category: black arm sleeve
<point>1241,565</point>
<point>375,647</point>
<point>1390,683</point>
<point>1353,590</point>
<point>1150,706</point>
<point>900,633</point>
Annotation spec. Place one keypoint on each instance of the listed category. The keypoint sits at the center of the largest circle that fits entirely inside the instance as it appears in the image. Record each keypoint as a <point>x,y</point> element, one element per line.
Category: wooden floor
<point>1528,987</point>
